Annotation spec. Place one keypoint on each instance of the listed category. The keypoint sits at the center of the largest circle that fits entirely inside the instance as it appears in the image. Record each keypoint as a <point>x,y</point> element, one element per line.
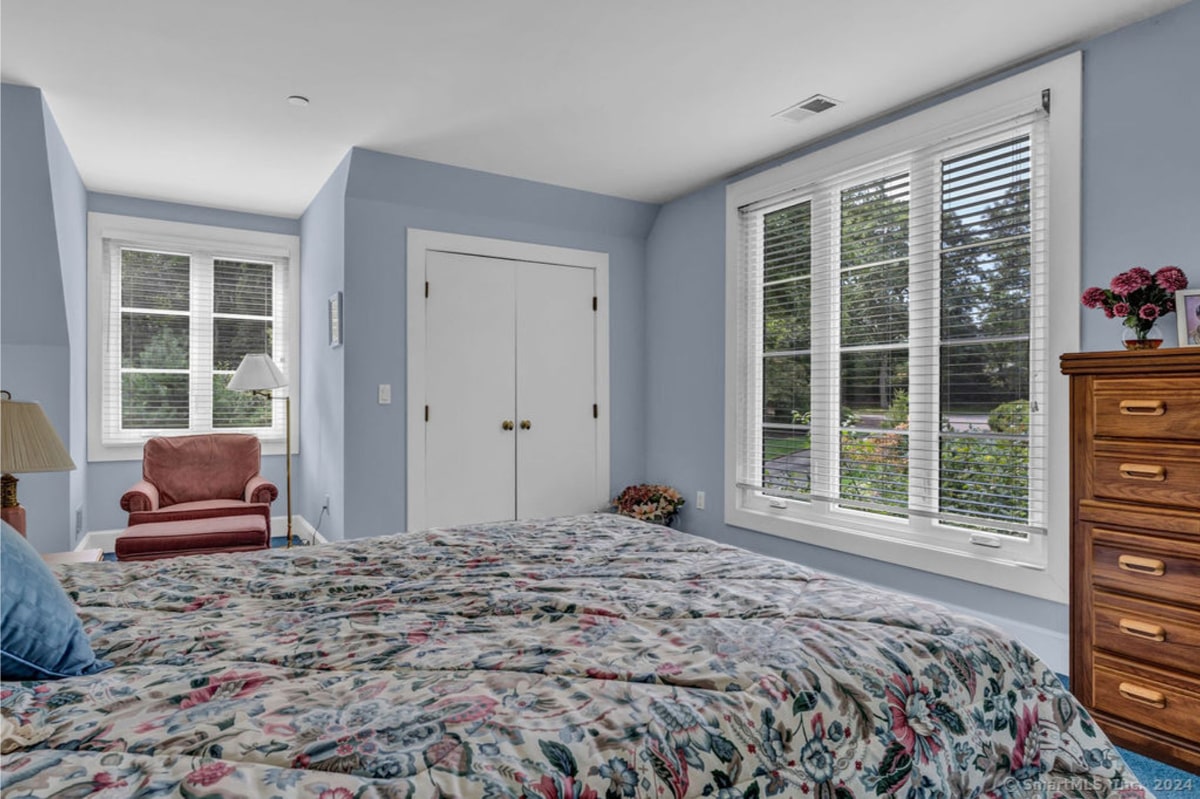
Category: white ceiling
<point>645,99</point>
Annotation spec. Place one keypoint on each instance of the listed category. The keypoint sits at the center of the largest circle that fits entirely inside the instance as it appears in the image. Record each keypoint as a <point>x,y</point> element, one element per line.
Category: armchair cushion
<point>203,509</point>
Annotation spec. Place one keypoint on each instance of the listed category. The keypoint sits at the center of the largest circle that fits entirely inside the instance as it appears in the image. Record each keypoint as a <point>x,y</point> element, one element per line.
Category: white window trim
<point>865,538</point>
<point>174,235</point>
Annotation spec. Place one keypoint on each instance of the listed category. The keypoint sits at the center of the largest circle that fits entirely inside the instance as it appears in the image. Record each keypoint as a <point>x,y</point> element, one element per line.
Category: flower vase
<point>1136,338</point>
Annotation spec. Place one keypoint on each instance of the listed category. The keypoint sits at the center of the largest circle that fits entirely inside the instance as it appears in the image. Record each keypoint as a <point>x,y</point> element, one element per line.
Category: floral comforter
<point>572,658</point>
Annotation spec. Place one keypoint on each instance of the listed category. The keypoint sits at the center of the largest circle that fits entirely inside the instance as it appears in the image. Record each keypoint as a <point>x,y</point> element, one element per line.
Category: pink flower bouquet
<point>1137,297</point>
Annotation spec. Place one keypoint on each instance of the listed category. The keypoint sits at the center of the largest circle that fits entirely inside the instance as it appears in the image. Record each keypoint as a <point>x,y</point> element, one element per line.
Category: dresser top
<point>1171,359</point>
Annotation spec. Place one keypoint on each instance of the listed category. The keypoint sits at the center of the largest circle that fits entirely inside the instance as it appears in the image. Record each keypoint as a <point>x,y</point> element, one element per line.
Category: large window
<point>174,309</point>
<point>891,340</point>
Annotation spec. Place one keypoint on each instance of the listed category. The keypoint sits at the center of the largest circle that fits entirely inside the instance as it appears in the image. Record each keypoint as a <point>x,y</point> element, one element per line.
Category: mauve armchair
<point>200,477</point>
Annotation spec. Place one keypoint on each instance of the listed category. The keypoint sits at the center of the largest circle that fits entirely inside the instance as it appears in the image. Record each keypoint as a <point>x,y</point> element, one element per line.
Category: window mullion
<point>111,352</point>
<point>201,342</point>
<point>825,316</point>
<point>924,309</point>
<point>1040,366</point>
<point>751,403</point>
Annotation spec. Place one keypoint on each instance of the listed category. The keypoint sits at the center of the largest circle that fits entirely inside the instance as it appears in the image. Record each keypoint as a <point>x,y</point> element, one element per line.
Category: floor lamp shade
<point>259,374</point>
<point>28,443</point>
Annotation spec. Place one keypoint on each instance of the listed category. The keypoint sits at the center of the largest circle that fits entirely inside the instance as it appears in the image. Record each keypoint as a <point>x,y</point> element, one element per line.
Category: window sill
<point>996,570</point>
<point>102,453</point>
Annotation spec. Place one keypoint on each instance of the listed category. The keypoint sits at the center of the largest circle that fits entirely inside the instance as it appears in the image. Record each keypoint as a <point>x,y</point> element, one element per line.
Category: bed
<point>569,658</point>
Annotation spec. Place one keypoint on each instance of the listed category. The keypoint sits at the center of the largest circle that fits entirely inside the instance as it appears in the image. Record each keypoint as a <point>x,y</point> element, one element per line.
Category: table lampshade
<point>28,443</point>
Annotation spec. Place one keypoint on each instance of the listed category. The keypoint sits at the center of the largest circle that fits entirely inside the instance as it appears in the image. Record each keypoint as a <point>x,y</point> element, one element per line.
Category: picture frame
<point>335,319</point>
<point>1187,310</point>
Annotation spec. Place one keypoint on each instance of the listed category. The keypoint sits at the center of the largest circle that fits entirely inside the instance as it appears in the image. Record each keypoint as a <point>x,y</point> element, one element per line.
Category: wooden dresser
<point>1135,547</point>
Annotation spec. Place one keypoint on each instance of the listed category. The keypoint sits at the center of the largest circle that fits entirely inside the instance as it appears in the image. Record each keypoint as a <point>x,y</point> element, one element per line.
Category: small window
<point>174,309</point>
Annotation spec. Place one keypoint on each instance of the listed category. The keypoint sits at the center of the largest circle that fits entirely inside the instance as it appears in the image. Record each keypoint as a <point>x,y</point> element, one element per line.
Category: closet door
<point>556,390</point>
<point>470,388</point>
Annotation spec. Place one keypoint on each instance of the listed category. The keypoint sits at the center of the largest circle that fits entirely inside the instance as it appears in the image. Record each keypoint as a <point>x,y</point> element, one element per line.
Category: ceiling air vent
<point>807,108</point>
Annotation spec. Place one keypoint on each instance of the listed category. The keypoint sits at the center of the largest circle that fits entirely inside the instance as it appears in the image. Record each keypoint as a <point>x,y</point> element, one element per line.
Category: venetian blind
<point>895,334</point>
<point>178,322</point>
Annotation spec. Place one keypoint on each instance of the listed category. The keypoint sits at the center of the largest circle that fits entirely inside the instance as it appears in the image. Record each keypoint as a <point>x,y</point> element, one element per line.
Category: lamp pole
<point>288,454</point>
<point>262,392</point>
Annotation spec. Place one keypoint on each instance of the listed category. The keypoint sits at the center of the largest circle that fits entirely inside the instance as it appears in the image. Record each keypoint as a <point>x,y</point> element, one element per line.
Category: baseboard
<point>107,539</point>
<point>1053,647</point>
<point>300,529</point>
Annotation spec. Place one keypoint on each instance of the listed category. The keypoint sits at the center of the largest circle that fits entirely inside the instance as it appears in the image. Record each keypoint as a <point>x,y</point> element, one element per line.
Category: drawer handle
<point>1143,407</point>
<point>1141,629</point>
<point>1138,565</point>
<point>1143,471</point>
<point>1145,696</point>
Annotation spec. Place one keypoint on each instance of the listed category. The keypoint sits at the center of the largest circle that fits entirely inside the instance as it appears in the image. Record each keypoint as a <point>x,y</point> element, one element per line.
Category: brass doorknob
<point>525,424</point>
<point>506,425</point>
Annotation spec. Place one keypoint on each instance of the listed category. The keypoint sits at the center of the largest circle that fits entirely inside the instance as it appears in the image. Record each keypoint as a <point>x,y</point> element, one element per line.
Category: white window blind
<point>894,338</point>
<point>177,314</point>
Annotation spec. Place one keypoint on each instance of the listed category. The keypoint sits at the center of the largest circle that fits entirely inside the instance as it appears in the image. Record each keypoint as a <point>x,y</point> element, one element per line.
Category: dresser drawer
<point>1165,408</point>
<point>1162,635</point>
<point>1147,475</point>
<point>1130,693</point>
<point>1149,567</point>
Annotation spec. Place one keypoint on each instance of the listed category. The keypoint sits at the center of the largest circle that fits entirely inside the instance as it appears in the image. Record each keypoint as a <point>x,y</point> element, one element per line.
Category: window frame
<point>1037,568</point>
<point>183,237</point>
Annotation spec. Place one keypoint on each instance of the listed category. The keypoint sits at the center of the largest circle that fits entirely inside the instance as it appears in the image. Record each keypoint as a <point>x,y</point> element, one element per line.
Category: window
<point>890,342</point>
<point>174,308</point>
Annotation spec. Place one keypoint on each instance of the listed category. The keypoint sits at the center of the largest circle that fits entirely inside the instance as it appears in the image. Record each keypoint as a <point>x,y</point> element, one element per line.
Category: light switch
<point>385,393</point>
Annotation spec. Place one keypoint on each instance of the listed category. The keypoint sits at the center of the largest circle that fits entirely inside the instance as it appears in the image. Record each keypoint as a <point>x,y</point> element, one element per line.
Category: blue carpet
<point>1165,782</point>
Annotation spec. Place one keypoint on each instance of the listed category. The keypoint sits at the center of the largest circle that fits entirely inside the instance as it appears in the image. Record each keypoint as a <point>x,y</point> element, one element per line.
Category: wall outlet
<point>385,393</point>
<point>78,523</point>
<point>699,500</point>
<point>326,505</point>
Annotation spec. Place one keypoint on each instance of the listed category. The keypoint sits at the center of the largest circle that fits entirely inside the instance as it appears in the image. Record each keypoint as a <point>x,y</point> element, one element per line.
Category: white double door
<point>511,389</point>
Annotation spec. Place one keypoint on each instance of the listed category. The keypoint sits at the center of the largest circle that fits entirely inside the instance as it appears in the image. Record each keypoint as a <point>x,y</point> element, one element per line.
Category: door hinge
<point>427,413</point>
<point>595,411</point>
<point>595,304</point>
<point>426,289</point>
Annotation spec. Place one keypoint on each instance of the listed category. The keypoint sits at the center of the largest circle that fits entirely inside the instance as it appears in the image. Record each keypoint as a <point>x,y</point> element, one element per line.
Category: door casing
<point>420,242</point>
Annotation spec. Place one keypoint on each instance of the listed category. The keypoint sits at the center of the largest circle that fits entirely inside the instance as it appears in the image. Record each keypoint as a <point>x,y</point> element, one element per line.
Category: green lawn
<point>778,447</point>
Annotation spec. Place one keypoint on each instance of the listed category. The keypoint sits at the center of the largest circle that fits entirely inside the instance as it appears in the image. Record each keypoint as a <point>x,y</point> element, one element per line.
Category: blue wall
<point>388,194</point>
<point>70,223</point>
<point>1141,163</point>
<point>322,378</point>
<point>35,340</point>
<point>1141,206</point>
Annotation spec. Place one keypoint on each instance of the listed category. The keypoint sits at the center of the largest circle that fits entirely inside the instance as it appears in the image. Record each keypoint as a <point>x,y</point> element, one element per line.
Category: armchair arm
<point>260,489</point>
<point>143,496</point>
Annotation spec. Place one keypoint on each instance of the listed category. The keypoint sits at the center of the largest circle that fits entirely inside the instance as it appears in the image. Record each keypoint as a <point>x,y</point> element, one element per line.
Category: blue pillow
<point>41,638</point>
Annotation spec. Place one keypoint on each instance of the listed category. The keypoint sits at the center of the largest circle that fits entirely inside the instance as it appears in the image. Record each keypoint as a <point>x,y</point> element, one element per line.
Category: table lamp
<point>28,443</point>
<point>258,374</point>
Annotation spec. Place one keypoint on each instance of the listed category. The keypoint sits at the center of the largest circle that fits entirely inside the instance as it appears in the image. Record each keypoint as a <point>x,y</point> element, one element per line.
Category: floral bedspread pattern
<point>574,658</point>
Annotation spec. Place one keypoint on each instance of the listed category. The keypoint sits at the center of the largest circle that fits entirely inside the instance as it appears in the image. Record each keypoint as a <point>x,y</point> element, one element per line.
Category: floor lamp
<point>259,375</point>
<point>28,443</point>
